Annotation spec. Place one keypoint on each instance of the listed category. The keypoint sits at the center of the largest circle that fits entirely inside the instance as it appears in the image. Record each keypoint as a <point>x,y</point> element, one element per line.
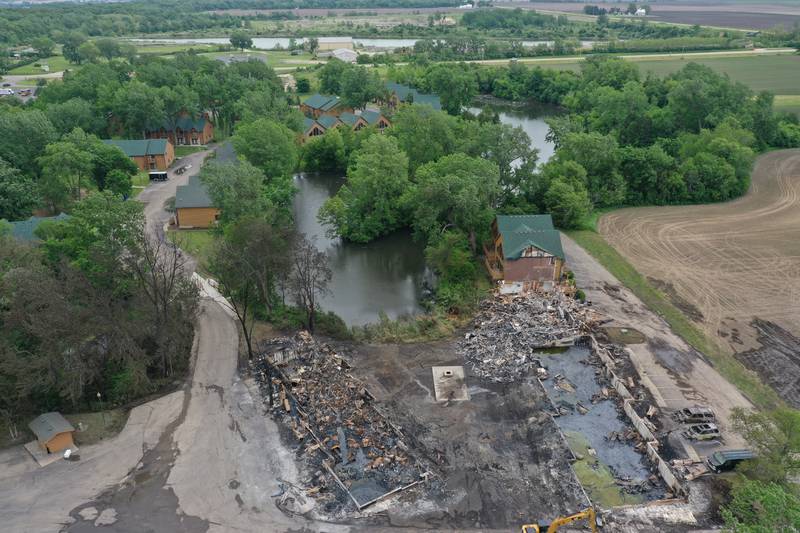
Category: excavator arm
<point>588,514</point>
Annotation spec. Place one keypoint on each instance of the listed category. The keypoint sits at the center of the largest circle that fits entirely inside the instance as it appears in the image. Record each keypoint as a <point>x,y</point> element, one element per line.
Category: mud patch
<point>777,361</point>
<point>677,300</point>
<point>623,335</point>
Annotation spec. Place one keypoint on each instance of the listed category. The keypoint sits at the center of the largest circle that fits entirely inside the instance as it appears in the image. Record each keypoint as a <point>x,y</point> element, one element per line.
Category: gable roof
<point>370,116</point>
<point>25,230</point>
<point>328,121</point>
<point>187,123</point>
<point>48,425</point>
<point>193,194</point>
<point>140,147</point>
<point>523,231</point>
<point>321,102</point>
<point>410,94</point>
<point>348,118</point>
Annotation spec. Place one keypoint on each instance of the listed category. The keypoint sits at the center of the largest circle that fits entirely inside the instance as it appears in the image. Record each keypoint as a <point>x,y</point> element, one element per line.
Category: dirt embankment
<point>732,267</point>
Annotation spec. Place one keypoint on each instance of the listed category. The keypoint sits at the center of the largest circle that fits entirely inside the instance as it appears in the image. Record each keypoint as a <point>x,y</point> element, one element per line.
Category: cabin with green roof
<point>403,94</point>
<point>148,154</point>
<point>524,249</point>
<point>318,105</point>
<point>188,130</point>
<point>193,205</point>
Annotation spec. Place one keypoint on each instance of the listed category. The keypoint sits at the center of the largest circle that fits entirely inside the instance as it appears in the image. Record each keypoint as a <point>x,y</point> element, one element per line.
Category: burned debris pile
<point>343,438</point>
<point>508,329</point>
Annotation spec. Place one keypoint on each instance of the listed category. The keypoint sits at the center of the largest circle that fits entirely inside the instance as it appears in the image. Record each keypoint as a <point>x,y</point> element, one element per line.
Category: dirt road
<point>726,265</point>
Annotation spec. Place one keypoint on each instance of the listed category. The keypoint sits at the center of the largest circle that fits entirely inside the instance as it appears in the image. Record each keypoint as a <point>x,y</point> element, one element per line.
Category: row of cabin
<point>187,131</point>
<point>313,128</point>
<point>525,250</point>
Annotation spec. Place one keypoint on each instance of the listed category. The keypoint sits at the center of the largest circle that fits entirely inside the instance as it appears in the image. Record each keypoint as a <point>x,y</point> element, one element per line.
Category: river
<point>387,275</point>
<point>270,43</point>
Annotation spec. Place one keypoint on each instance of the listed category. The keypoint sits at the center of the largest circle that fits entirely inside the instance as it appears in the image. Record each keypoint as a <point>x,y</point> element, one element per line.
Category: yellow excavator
<point>589,514</point>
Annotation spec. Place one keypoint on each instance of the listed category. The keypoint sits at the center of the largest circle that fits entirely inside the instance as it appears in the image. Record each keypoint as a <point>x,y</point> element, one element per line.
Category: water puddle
<point>611,470</point>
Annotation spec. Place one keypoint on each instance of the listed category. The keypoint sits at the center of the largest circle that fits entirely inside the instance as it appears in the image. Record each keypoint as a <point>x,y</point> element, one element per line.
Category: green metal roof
<point>48,425</point>
<point>308,122</point>
<point>348,118</point>
<point>193,194</point>
<point>328,121</point>
<point>321,102</point>
<point>140,147</point>
<point>186,123</point>
<point>25,230</point>
<point>371,117</point>
<point>523,231</point>
<point>410,94</point>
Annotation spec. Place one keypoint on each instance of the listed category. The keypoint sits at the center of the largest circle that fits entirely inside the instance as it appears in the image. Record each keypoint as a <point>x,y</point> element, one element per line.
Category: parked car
<point>727,459</point>
<point>694,415</point>
<point>6,85</point>
<point>702,432</point>
<point>159,176</point>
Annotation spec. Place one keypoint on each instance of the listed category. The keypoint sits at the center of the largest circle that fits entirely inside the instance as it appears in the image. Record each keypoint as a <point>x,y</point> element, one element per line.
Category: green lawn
<point>183,150</point>
<point>97,426</point>
<point>749,384</point>
<point>196,242</point>
<point>139,181</point>
<point>788,104</point>
<point>165,49</point>
<point>56,64</point>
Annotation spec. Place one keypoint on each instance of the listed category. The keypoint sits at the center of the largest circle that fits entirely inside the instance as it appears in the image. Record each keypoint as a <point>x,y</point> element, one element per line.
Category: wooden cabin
<point>524,249</point>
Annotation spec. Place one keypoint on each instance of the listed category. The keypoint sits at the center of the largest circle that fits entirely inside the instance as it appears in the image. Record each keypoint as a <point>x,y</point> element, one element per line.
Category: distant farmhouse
<point>403,94</point>
<point>148,154</point>
<point>525,249</point>
<point>188,131</point>
<point>25,230</point>
<point>193,205</point>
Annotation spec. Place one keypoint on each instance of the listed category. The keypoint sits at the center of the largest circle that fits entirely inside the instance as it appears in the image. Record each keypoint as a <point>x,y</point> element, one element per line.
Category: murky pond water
<point>384,275</point>
<point>529,116</point>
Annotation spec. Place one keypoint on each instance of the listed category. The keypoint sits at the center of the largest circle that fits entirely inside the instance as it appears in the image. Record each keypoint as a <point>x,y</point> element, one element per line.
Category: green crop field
<point>56,64</point>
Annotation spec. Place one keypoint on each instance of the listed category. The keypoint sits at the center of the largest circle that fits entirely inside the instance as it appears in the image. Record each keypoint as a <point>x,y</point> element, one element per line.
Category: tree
<point>455,85</point>
<point>44,46</point>
<point>241,40</point>
<point>18,193</point>
<point>359,86</point>
<point>599,155</point>
<point>75,113</point>
<point>312,44</point>
<point>88,51</point>
<point>139,107</point>
<point>369,204</point>
<point>309,277</point>
<point>330,76</point>
<point>708,178</point>
<point>775,438</point>
<point>758,507</point>
<point>70,43</point>
<point>325,153</point>
<point>568,202</point>
<point>423,133</point>
<point>108,48</point>
<point>65,167</point>
<point>457,191</point>
<point>37,132</point>
<point>303,85</point>
<point>267,145</point>
<point>108,160</point>
<point>177,101</point>
<point>237,189</point>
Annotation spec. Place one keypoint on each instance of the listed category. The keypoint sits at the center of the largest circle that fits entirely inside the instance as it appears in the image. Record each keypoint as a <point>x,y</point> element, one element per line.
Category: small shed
<point>53,432</point>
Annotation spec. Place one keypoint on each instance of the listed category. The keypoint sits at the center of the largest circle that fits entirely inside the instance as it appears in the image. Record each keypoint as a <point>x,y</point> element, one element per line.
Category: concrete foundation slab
<point>449,383</point>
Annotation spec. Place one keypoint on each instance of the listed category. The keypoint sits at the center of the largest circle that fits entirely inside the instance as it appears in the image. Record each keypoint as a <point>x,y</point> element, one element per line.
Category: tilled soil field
<point>728,264</point>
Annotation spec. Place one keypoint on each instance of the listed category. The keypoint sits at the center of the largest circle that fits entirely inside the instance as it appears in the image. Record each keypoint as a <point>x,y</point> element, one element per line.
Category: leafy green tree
<point>139,108</point>
<point>599,156</point>
<point>775,438</point>
<point>177,101</point>
<point>108,48</point>
<point>568,203</point>
<point>651,176</point>
<point>303,85</point>
<point>75,113</point>
<point>455,85</point>
<point>44,46</point>
<point>66,168</point>
<point>330,76</point>
<point>241,40</point>
<point>359,86</point>
<point>708,178</point>
<point>449,255</point>
<point>423,133</point>
<point>36,130</point>
<point>312,45</point>
<point>89,52</point>
<point>608,71</point>
<point>111,168</point>
<point>70,42</point>
<point>269,145</point>
<point>457,191</point>
<point>758,507</point>
<point>369,204</point>
<point>325,153</point>
<point>118,182</point>
<point>237,189</point>
<point>18,193</point>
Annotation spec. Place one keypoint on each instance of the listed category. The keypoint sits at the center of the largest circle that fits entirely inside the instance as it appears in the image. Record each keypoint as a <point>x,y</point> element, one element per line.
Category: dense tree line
<point>98,307</point>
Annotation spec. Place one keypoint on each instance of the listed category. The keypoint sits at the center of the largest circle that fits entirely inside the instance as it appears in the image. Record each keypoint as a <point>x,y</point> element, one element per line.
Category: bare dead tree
<point>309,278</point>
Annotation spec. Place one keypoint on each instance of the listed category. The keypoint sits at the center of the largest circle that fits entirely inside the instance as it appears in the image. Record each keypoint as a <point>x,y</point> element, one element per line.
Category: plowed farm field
<point>733,268</point>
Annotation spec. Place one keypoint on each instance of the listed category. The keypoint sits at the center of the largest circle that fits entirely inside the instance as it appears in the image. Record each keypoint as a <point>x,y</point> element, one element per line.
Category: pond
<point>387,275</point>
<point>529,116</point>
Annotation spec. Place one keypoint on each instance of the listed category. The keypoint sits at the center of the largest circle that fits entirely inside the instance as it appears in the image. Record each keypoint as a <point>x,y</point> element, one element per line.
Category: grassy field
<point>606,255</point>
<point>788,103</point>
<point>139,181</point>
<point>165,49</point>
<point>97,426</point>
<point>183,150</point>
<point>198,243</point>
<point>56,64</point>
